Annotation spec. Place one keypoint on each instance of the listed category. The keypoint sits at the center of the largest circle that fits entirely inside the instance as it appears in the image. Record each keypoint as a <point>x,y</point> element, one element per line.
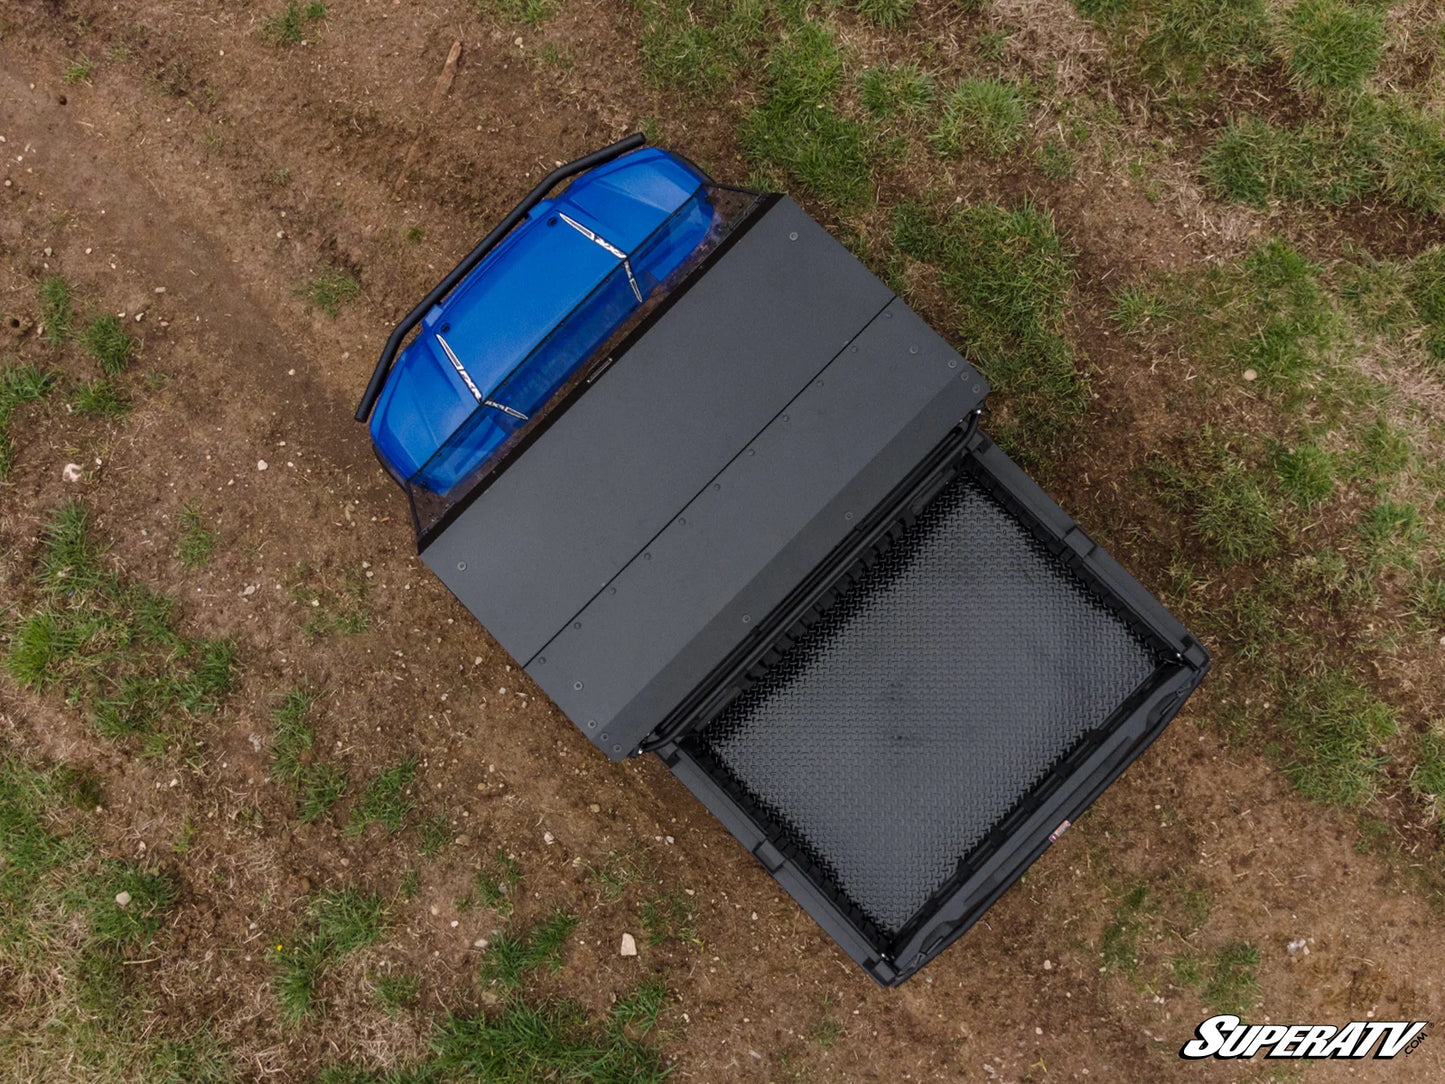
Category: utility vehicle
<point>726,499</point>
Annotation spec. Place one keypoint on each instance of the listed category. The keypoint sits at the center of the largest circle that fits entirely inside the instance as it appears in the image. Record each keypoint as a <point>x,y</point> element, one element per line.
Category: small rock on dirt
<point>72,472</point>
<point>1250,375</point>
<point>629,945</point>
<point>261,464</point>
<point>122,899</point>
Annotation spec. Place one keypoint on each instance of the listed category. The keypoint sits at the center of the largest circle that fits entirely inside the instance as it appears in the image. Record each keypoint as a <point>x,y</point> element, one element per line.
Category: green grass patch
<point>1137,310</point>
<point>1336,728</point>
<point>331,606</point>
<point>531,13</point>
<point>1228,500</point>
<point>434,833</point>
<point>330,290</point>
<point>290,25</point>
<point>106,340</point>
<point>1382,451</point>
<point>101,398</point>
<point>1119,946</point>
<point>1007,276</point>
<point>131,924</point>
<point>336,923</point>
<point>1187,38</point>
<point>19,384</point>
<point>112,646</point>
<point>398,992</point>
<point>555,1040</point>
<point>511,956</point>
<point>196,543</point>
<point>1367,149</point>
<point>1055,160</point>
<point>988,116</point>
<point>57,309</point>
<point>1305,472</point>
<point>1428,777</point>
<point>1333,45</point>
<point>71,925</point>
<point>697,48</point>
<point>385,801</point>
<point>494,885</point>
<point>619,870</point>
<point>318,785</point>
<point>798,129</point>
<point>1425,290</point>
<point>1232,985</point>
<point>671,916</point>
<point>885,13</point>
<point>79,69</point>
<point>895,90</point>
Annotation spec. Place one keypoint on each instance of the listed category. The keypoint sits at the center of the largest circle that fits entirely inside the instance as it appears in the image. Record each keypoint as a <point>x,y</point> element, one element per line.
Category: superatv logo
<point>1228,1037</point>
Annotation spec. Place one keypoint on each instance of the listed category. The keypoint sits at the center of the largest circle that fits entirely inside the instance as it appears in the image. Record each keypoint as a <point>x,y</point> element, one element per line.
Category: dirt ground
<point>193,182</point>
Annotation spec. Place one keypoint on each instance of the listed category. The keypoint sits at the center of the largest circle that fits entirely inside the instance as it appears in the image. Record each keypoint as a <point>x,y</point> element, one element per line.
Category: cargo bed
<point>763,536</point>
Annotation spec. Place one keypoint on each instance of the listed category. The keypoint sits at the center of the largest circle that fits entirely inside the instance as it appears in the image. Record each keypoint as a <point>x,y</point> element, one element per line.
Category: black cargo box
<point>771,544</point>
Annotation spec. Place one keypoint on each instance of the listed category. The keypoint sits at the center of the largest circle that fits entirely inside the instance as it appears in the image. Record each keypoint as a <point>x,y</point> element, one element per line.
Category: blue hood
<point>526,288</point>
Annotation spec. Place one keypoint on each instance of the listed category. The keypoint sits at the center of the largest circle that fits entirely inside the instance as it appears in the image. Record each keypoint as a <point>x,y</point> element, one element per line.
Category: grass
<point>697,48</point>
<point>1007,278</point>
<point>1120,943</point>
<point>337,923</point>
<point>1425,290</point>
<point>495,884</point>
<point>1366,149</point>
<point>1428,778</point>
<point>332,607</point>
<point>385,800</point>
<point>555,1040</point>
<point>1137,310</point>
<point>619,870</point>
<point>1336,727</point>
<point>888,14</point>
<point>330,290</point>
<point>317,784</point>
<point>798,129</point>
<point>398,992</point>
<point>1233,515</point>
<point>81,1010</point>
<point>196,543</point>
<point>895,90</point>
<point>132,926</point>
<point>671,916</point>
<point>1332,45</point>
<point>511,957</point>
<point>531,13</point>
<point>988,116</point>
<point>19,384</point>
<point>79,69</point>
<point>106,340</point>
<point>57,309</point>
<point>289,26</point>
<point>435,832</point>
<point>1306,473</point>
<point>101,398</point>
<point>114,647</point>
<point>1232,985</point>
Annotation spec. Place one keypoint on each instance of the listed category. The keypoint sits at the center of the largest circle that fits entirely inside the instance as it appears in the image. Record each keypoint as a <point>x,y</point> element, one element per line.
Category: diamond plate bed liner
<point>973,667</point>
<point>923,705</point>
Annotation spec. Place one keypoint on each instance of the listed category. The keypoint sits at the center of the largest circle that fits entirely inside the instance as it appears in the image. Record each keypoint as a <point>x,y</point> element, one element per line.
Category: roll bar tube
<point>475,256</point>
